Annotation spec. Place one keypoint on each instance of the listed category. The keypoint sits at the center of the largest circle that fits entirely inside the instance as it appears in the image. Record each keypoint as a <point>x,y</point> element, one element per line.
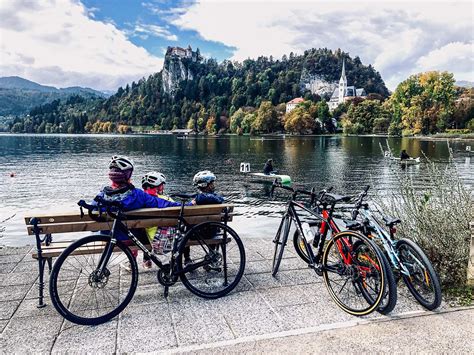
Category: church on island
<point>344,93</point>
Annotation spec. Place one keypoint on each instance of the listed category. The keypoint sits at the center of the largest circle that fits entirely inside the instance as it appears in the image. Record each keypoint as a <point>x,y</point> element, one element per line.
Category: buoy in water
<point>12,174</point>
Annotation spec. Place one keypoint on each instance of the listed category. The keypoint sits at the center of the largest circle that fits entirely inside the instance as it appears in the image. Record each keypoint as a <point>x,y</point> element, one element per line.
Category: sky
<point>104,44</point>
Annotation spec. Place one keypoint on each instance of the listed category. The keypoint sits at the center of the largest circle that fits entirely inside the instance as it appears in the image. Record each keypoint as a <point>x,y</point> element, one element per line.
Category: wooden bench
<point>44,226</point>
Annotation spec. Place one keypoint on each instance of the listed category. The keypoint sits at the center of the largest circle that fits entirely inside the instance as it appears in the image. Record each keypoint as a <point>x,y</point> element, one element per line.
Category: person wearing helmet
<point>204,181</point>
<point>122,190</point>
<point>160,238</point>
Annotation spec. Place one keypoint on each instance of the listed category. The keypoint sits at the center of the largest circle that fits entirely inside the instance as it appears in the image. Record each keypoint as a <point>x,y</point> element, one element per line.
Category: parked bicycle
<point>406,258</point>
<point>324,206</point>
<point>351,264</point>
<point>88,285</point>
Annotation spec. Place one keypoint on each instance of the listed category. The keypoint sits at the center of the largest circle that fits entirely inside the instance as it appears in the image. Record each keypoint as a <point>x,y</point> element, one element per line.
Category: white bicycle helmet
<point>121,162</point>
<point>203,178</point>
<point>153,179</point>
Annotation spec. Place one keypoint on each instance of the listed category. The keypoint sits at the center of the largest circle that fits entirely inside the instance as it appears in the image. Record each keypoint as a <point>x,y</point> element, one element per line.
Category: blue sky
<point>148,24</point>
<point>105,44</point>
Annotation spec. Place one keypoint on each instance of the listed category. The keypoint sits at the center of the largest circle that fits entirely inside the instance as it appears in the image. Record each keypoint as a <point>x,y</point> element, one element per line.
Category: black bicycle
<point>89,284</point>
<point>351,264</point>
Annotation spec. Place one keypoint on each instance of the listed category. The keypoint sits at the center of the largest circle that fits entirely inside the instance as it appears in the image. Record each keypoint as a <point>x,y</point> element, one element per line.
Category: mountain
<point>465,84</point>
<point>18,95</point>
<point>15,82</point>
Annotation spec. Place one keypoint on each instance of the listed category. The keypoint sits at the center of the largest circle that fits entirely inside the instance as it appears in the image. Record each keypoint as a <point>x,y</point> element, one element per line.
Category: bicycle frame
<point>327,223</point>
<point>118,225</point>
<point>386,239</point>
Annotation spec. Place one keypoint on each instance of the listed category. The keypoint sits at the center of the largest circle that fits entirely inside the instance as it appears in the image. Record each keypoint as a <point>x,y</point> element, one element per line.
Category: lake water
<point>52,172</point>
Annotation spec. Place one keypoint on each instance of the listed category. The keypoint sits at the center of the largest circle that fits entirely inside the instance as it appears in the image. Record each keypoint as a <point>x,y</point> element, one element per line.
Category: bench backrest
<point>163,217</point>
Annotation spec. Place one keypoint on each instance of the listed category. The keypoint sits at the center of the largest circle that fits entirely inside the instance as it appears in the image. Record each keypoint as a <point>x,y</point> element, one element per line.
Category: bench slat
<point>55,250</point>
<point>153,212</point>
<point>84,226</point>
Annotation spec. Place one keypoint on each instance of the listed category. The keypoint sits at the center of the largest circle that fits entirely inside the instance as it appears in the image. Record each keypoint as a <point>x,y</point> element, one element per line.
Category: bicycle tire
<point>232,261</point>
<point>390,294</point>
<point>429,273</point>
<point>339,267</point>
<point>78,262</point>
<point>299,246</point>
<point>280,243</point>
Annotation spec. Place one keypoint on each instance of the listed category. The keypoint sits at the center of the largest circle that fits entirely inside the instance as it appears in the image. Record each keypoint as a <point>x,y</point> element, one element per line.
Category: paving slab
<point>145,328</point>
<point>10,293</point>
<point>85,339</point>
<point>21,278</point>
<point>7,308</point>
<point>6,268</point>
<point>36,334</point>
<point>3,324</point>
<point>11,258</point>
<point>15,250</point>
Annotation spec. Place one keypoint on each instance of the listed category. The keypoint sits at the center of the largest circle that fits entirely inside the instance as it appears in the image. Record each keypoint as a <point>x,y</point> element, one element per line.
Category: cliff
<point>178,67</point>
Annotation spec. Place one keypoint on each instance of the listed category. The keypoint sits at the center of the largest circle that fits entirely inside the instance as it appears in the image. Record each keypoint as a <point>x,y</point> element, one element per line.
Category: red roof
<point>297,100</point>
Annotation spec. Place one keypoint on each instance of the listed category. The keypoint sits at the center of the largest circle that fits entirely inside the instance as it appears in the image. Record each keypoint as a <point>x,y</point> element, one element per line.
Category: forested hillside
<point>218,90</point>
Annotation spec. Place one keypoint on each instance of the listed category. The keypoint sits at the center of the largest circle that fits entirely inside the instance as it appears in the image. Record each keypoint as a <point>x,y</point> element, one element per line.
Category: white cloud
<point>444,57</point>
<point>153,30</point>
<point>391,36</point>
<point>59,44</point>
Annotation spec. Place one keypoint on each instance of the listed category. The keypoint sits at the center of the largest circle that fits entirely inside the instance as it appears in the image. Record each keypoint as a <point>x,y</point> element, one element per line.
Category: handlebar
<point>314,196</point>
<point>112,208</point>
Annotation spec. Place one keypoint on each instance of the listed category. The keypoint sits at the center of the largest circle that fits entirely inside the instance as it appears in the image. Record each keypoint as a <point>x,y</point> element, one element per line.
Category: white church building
<point>343,92</point>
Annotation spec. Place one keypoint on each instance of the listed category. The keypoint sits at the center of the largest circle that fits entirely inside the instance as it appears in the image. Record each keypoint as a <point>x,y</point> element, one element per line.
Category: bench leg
<point>50,264</point>
<point>41,264</point>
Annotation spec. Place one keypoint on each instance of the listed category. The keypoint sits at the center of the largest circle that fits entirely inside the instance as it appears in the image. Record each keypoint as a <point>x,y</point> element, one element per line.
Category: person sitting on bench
<point>122,190</point>
<point>161,238</point>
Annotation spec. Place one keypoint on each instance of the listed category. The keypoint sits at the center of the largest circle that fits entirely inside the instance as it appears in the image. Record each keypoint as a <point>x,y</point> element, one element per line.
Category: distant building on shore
<point>344,92</point>
<point>293,103</point>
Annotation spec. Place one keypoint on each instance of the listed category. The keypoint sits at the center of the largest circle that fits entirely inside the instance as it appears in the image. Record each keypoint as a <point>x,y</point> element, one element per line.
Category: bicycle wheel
<point>218,260</point>
<point>344,273</point>
<point>83,296</point>
<point>423,282</point>
<point>389,299</point>
<point>299,246</point>
<point>280,242</point>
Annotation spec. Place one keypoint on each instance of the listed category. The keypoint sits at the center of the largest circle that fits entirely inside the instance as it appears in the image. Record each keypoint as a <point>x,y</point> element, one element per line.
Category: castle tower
<point>342,83</point>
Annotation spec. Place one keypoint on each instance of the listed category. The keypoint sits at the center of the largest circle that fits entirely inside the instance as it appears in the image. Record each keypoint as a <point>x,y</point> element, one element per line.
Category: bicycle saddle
<point>338,198</point>
<point>390,222</point>
<point>350,224</point>
<point>183,196</point>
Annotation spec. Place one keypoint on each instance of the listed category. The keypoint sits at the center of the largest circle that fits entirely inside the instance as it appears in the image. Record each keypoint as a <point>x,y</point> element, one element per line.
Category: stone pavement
<point>296,302</point>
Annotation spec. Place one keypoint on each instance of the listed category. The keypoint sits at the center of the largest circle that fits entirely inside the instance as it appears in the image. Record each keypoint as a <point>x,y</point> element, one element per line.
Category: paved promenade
<point>263,314</point>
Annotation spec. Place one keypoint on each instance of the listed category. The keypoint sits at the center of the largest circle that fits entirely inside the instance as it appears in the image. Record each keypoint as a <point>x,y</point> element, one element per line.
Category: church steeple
<point>342,83</point>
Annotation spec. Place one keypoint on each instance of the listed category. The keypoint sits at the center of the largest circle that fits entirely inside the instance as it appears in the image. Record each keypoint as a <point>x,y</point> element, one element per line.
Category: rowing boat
<point>409,161</point>
<point>284,179</point>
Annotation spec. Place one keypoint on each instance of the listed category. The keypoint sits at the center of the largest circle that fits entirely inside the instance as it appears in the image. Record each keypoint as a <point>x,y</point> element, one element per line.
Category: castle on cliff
<point>343,92</point>
<point>181,53</point>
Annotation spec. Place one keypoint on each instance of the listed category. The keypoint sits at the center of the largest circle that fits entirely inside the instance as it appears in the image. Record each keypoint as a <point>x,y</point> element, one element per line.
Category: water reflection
<point>55,171</point>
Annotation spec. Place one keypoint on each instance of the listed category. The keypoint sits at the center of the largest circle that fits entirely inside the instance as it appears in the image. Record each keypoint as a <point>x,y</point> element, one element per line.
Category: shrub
<point>436,217</point>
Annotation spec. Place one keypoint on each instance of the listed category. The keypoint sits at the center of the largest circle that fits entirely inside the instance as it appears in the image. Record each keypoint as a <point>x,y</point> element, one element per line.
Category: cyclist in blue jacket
<point>204,181</point>
<point>122,190</point>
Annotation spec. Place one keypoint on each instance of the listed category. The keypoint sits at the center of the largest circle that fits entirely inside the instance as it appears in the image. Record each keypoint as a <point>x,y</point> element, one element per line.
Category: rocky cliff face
<point>177,67</point>
<point>317,85</point>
